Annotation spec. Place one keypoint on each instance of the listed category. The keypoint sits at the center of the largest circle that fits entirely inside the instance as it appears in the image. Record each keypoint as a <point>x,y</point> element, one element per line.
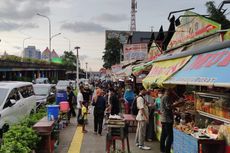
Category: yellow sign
<point>162,70</point>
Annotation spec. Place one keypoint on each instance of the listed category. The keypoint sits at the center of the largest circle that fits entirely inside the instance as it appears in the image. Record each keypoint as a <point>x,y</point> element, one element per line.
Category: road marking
<point>75,146</point>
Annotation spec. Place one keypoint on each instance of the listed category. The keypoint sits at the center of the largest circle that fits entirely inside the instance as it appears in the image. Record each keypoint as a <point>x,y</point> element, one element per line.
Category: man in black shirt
<point>114,102</point>
<point>87,94</point>
<point>71,99</point>
<point>167,119</point>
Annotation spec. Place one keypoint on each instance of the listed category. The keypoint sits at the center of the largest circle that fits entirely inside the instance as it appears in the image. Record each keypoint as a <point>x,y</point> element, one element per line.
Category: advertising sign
<point>135,51</point>
<point>212,68</point>
<point>191,27</point>
<point>163,70</point>
<point>116,68</point>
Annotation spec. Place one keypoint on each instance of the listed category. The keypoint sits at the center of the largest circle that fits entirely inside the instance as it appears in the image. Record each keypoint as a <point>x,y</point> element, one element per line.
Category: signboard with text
<point>205,69</point>
<point>192,26</point>
<point>135,51</point>
<point>116,68</point>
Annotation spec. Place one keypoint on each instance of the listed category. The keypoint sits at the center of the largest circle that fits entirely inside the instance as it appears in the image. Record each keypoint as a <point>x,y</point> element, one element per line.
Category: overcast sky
<point>82,21</point>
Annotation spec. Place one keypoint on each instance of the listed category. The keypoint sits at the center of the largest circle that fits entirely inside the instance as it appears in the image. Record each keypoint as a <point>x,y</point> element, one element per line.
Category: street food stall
<point>208,73</point>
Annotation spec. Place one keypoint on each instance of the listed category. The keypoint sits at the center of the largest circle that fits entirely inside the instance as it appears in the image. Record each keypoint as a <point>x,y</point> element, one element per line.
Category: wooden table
<point>44,129</point>
<point>120,133</point>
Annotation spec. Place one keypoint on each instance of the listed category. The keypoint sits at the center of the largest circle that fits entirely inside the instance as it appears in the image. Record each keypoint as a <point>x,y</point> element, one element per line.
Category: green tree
<point>69,59</point>
<point>112,52</point>
<point>217,15</point>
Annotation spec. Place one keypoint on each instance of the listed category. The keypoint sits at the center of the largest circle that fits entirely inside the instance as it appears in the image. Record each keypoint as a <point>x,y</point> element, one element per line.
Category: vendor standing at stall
<point>167,119</point>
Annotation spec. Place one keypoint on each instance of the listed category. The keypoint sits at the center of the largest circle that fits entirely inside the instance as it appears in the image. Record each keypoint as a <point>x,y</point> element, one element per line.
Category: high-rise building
<point>32,52</point>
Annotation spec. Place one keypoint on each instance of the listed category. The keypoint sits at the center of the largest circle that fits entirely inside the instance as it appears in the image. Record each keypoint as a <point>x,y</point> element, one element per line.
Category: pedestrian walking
<point>142,118</point>
<point>80,100</point>
<point>99,104</point>
<point>87,94</point>
<point>150,125</point>
<point>71,99</point>
<point>84,116</point>
<point>129,97</point>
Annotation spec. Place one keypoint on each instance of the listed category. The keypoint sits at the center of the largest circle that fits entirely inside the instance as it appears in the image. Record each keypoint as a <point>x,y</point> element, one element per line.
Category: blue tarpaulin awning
<point>207,69</point>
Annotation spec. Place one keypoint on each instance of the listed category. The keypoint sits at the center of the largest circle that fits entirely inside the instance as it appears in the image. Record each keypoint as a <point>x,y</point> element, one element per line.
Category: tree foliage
<point>112,52</point>
<point>69,59</point>
<point>217,15</point>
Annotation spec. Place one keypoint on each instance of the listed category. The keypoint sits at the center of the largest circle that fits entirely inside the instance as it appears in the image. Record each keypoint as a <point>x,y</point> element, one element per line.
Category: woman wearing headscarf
<point>99,104</point>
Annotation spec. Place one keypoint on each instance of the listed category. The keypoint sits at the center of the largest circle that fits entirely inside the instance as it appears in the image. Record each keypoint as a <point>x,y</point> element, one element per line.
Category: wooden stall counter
<point>44,128</point>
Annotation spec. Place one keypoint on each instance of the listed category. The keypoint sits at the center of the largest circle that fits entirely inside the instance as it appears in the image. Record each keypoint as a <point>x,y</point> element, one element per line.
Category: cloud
<point>106,17</point>
<point>9,26</point>
<point>83,27</point>
<point>23,9</point>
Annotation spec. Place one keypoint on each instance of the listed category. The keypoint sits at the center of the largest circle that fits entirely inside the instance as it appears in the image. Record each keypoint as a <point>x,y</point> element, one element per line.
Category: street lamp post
<point>53,37</point>
<point>69,42</point>
<point>77,67</point>
<point>49,30</point>
<point>86,70</point>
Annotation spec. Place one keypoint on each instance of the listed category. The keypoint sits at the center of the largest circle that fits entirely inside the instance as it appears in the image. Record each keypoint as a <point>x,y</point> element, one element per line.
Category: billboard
<point>121,35</point>
<point>135,51</point>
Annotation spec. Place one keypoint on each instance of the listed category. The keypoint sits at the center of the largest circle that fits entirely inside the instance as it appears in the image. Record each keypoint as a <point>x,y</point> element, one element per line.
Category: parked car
<point>17,100</point>
<point>62,84</point>
<point>83,81</point>
<point>44,94</point>
<point>42,81</point>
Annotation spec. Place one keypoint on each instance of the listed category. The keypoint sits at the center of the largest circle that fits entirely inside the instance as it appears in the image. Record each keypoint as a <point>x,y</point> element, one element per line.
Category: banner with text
<point>135,51</point>
<point>212,68</point>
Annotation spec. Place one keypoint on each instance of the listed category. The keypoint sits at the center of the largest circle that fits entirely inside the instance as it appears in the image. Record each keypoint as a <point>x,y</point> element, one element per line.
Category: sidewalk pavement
<point>72,140</point>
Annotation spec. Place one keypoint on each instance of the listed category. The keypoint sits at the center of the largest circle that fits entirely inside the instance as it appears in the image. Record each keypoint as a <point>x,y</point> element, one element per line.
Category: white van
<point>42,81</point>
<point>17,100</point>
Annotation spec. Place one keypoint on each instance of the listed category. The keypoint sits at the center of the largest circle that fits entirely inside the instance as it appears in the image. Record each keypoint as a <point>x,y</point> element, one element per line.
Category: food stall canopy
<point>125,72</point>
<point>207,69</point>
<point>138,69</point>
<point>162,70</point>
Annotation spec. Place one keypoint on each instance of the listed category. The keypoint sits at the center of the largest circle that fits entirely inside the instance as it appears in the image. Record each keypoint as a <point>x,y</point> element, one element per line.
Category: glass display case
<point>213,105</point>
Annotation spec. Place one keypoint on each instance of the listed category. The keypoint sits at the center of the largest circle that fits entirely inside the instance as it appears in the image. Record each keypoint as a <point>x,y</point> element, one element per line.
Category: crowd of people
<point>117,98</point>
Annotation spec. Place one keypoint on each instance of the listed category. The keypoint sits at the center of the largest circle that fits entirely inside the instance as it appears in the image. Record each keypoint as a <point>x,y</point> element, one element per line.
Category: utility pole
<point>77,67</point>
<point>86,70</point>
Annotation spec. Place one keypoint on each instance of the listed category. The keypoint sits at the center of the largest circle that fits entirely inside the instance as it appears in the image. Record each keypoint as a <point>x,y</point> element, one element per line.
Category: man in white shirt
<point>142,118</point>
<point>80,100</point>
